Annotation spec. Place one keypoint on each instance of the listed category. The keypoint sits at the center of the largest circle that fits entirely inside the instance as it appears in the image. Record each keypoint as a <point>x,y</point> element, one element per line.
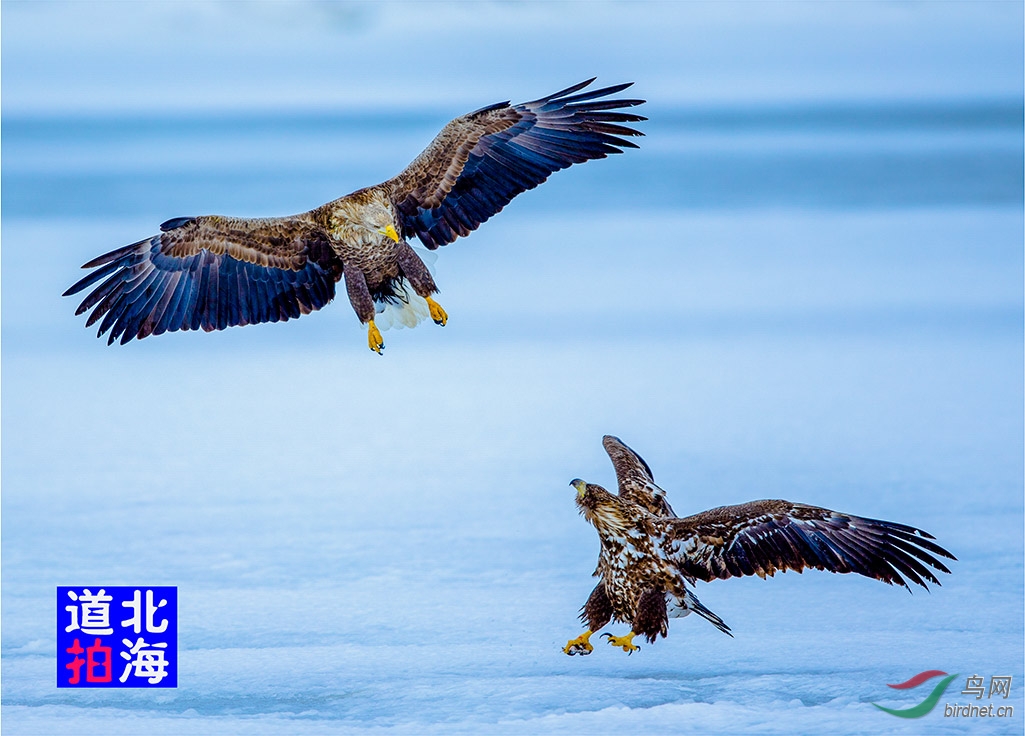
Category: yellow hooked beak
<point>390,232</point>
<point>581,487</point>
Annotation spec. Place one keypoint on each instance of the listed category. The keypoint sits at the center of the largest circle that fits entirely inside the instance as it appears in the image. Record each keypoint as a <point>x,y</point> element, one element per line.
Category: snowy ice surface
<point>823,304</point>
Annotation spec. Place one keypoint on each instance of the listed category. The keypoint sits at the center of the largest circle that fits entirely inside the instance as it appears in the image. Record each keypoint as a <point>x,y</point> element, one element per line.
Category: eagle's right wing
<point>763,537</point>
<point>636,483</point>
<point>209,273</point>
<point>480,161</point>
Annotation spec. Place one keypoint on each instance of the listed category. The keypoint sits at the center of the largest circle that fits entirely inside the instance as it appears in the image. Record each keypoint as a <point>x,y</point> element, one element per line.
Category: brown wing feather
<point>761,537</point>
<point>432,174</point>
<point>210,273</point>
<point>480,161</point>
<point>636,482</point>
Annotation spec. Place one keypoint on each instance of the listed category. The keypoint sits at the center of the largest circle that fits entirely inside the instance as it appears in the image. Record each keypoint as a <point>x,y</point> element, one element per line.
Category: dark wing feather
<point>210,273</point>
<point>598,610</point>
<point>480,161</point>
<point>636,483</point>
<point>651,617</point>
<point>762,537</point>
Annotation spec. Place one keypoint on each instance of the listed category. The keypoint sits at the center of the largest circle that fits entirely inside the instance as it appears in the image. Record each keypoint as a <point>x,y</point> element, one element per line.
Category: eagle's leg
<point>363,304</point>
<point>439,315</point>
<point>627,642</point>
<point>651,618</point>
<point>596,613</point>
<point>580,645</point>
<point>414,269</point>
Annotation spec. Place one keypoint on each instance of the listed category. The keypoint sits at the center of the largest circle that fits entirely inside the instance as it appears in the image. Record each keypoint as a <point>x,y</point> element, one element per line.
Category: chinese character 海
<point>149,660</point>
<point>974,687</point>
<point>136,620</point>
<point>95,612</point>
<point>1000,686</point>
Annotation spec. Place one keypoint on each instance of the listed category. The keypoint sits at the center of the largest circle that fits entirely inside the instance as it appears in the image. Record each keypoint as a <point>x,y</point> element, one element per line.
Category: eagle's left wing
<point>210,272</point>
<point>761,537</point>
<point>480,161</point>
<point>636,483</point>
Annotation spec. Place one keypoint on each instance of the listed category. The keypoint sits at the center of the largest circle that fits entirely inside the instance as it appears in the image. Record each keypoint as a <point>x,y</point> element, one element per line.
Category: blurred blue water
<point>883,155</point>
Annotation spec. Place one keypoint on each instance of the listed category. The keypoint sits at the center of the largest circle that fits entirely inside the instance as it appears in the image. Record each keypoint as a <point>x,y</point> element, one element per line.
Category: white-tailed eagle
<point>211,272</point>
<point>649,556</point>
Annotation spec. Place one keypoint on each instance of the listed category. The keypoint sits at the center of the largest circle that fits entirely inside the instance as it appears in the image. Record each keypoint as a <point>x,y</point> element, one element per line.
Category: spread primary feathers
<point>212,272</point>
<point>649,556</point>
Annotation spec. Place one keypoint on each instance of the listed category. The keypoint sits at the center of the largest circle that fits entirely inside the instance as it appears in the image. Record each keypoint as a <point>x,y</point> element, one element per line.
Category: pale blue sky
<point>155,56</point>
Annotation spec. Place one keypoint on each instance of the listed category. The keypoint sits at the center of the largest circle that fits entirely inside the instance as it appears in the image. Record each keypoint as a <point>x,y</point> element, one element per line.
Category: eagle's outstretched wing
<point>636,482</point>
<point>480,161</point>
<point>210,273</point>
<point>761,537</point>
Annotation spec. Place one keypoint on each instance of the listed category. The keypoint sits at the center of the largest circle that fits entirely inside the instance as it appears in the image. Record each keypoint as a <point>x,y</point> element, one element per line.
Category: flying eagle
<point>211,272</point>
<point>649,556</point>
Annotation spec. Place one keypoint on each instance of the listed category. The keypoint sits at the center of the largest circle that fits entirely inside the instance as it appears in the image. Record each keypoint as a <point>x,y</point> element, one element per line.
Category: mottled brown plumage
<point>213,272</point>
<point>649,557</point>
<point>634,477</point>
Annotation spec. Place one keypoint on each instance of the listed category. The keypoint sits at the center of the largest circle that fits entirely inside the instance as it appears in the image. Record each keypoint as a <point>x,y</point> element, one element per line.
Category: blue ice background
<point>806,284</point>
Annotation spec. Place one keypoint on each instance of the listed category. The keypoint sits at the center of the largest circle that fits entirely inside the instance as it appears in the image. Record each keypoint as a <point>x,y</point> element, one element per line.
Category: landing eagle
<point>212,272</point>
<point>649,556</point>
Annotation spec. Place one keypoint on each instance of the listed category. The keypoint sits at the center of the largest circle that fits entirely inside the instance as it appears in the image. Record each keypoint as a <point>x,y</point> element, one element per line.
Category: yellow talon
<point>580,645</point>
<point>627,642</point>
<point>439,315</point>
<point>374,337</point>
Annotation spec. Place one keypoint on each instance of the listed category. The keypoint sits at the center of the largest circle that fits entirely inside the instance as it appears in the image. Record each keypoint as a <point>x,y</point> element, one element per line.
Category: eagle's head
<point>378,218</point>
<point>606,511</point>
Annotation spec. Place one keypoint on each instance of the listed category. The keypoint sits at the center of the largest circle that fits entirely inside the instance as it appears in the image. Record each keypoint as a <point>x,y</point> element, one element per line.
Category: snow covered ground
<point>815,301</point>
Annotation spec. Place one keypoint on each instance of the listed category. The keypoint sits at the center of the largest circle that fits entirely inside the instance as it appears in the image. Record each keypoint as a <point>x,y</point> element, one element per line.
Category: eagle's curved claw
<point>626,642</point>
<point>374,338</point>
<point>580,645</point>
<point>439,315</point>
